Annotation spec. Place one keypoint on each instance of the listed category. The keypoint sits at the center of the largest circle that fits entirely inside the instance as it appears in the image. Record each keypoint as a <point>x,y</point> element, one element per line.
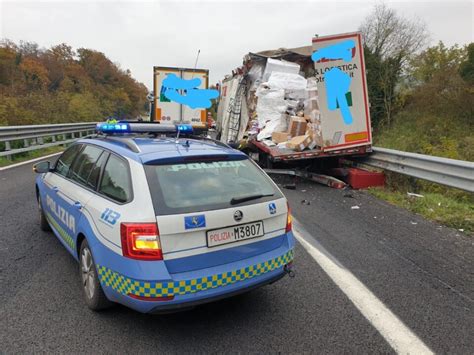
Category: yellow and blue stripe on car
<point>128,286</point>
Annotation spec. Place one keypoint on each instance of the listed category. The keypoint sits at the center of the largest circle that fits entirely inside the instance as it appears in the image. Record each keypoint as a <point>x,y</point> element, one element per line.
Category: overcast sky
<point>138,34</point>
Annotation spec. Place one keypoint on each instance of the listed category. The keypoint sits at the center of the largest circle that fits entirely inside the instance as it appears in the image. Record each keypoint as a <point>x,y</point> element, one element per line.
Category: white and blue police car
<point>160,219</point>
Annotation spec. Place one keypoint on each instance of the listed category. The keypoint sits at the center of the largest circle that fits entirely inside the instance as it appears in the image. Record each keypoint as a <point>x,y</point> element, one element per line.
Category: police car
<point>161,219</point>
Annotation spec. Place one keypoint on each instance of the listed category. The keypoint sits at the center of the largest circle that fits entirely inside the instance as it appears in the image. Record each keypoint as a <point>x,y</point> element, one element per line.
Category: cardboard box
<point>297,126</point>
<point>298,143</point>
<point>315,134</point>
<point>280,137</point>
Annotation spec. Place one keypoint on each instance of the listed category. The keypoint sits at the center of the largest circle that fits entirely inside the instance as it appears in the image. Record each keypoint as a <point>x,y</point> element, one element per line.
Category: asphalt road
<point>422,272</point>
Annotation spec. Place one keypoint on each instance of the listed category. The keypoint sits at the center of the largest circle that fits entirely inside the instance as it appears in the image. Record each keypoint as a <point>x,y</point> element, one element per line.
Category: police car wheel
<point>93,293</point>
<point>44,225</point>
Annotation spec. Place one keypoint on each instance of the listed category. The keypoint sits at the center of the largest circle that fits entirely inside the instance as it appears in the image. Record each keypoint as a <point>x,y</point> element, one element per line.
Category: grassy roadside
<point>444,205</point>
<point>18,158</point>
<point>432,132</point>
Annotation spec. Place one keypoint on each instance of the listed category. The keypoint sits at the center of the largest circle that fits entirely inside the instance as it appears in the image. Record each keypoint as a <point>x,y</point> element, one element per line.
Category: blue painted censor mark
<point>198,221</point>
<point>337,81</point>
<point>194,98</point>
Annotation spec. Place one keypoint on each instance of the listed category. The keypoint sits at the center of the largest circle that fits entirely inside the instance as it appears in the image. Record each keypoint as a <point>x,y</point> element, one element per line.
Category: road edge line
<point>390,327</point>
<point>28,161</point>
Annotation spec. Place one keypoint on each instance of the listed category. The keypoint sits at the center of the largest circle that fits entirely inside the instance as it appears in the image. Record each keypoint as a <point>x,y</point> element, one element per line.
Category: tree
<point>434,60</point>
<point>36,75</point>
<point>390,42</point>
<point>438,86</point>
<point>466,69</point>
<point>61,85</point>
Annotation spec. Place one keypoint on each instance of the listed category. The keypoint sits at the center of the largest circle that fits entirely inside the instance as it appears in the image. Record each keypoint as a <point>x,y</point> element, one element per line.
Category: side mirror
<point>43,167</point>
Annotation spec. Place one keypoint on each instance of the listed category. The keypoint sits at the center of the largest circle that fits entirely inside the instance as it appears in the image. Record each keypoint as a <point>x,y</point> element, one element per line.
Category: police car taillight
<point>289,220</point>
<point>141,241</point>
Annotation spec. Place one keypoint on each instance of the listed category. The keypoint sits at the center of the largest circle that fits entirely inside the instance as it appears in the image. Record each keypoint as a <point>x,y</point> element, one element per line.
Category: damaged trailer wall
<point>232,114</point>
<point>278,99</point>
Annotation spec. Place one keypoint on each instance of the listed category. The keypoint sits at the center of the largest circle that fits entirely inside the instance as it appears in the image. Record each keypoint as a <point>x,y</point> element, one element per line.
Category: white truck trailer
<point>165,111</point>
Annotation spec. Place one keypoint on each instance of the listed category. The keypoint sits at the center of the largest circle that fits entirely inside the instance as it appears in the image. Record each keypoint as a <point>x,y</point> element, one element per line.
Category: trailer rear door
<point>338,133</point>
<point>195,115</point>
<point>171,112</point>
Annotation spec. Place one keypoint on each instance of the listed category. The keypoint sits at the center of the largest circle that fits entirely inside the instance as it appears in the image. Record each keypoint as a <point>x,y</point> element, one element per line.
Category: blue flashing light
<point>118,127</point>
<point>184,128</point>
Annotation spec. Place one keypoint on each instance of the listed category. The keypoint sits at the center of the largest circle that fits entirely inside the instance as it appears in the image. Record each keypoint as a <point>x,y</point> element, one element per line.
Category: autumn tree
<point>61,84</point>
<point>390,42</point>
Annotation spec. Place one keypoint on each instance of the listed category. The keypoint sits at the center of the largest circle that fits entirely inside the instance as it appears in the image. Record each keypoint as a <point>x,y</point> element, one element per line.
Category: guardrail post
<point>64,136</point>
<point>26,143</point>
<point>53,139</point>
<point>7,148</point>
<point>40,140</point>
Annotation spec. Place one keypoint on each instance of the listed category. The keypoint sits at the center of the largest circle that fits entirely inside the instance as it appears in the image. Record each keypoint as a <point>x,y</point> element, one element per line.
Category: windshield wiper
<point>236,200</point>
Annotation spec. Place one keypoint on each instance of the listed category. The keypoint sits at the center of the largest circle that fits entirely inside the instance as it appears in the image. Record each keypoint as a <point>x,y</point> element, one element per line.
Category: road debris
<point>412,194</point>
<point>355,207</point>
<point>319,178</point>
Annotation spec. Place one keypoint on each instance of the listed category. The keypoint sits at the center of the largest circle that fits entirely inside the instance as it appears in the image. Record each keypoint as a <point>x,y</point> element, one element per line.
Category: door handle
<point>78,205</point>
<point>56,189</point>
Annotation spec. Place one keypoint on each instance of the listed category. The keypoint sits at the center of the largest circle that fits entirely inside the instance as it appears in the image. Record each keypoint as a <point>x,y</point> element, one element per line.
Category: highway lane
<point>422,273</point>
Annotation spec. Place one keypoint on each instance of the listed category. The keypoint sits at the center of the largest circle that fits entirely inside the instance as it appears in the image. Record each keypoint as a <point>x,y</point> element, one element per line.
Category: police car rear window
<point>203,186</point>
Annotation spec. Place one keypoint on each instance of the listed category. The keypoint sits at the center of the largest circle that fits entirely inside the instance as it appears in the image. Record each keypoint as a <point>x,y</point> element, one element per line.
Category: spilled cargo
<point>301,103</point>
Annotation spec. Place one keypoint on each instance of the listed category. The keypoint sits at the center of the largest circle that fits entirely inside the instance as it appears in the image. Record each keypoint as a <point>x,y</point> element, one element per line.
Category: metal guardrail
<point>449,172</point>
<point>33,137</point>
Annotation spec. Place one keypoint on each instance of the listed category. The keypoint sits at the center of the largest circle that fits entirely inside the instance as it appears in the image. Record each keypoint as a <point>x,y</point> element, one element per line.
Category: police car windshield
<point>203,186</point>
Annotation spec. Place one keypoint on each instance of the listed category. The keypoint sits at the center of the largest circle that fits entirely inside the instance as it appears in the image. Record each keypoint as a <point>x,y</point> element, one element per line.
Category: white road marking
<point>397,334</point>
<point>29,161</point>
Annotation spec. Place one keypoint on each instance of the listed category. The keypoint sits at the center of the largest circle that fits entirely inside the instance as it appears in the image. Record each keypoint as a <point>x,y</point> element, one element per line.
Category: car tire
<point>92,290</point>
<point>44,224</point>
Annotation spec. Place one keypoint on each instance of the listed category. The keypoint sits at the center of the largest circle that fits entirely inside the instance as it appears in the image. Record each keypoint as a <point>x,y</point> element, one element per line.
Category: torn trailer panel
<point>278,97</point>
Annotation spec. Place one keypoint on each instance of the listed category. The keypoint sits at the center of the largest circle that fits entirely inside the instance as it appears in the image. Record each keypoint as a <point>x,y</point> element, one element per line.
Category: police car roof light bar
<point>110,128</point>
<point>124,127</point>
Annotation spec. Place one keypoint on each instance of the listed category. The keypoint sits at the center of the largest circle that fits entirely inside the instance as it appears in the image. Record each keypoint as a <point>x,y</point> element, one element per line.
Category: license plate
<point>233,234</point>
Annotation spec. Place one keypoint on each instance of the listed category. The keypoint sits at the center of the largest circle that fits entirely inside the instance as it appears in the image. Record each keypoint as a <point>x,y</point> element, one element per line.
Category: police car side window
<point>93,179</point>
<point>115,181</point>
<point>64,162</point>
<point>84,163</point>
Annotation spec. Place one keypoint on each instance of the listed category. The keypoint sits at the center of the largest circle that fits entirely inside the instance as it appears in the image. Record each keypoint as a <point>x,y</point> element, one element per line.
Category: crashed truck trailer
<point>275,91</point>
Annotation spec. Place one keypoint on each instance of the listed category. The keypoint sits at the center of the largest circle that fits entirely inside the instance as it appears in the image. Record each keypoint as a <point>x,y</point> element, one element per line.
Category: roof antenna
<point>177,137</point>
<point>195,63</point>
